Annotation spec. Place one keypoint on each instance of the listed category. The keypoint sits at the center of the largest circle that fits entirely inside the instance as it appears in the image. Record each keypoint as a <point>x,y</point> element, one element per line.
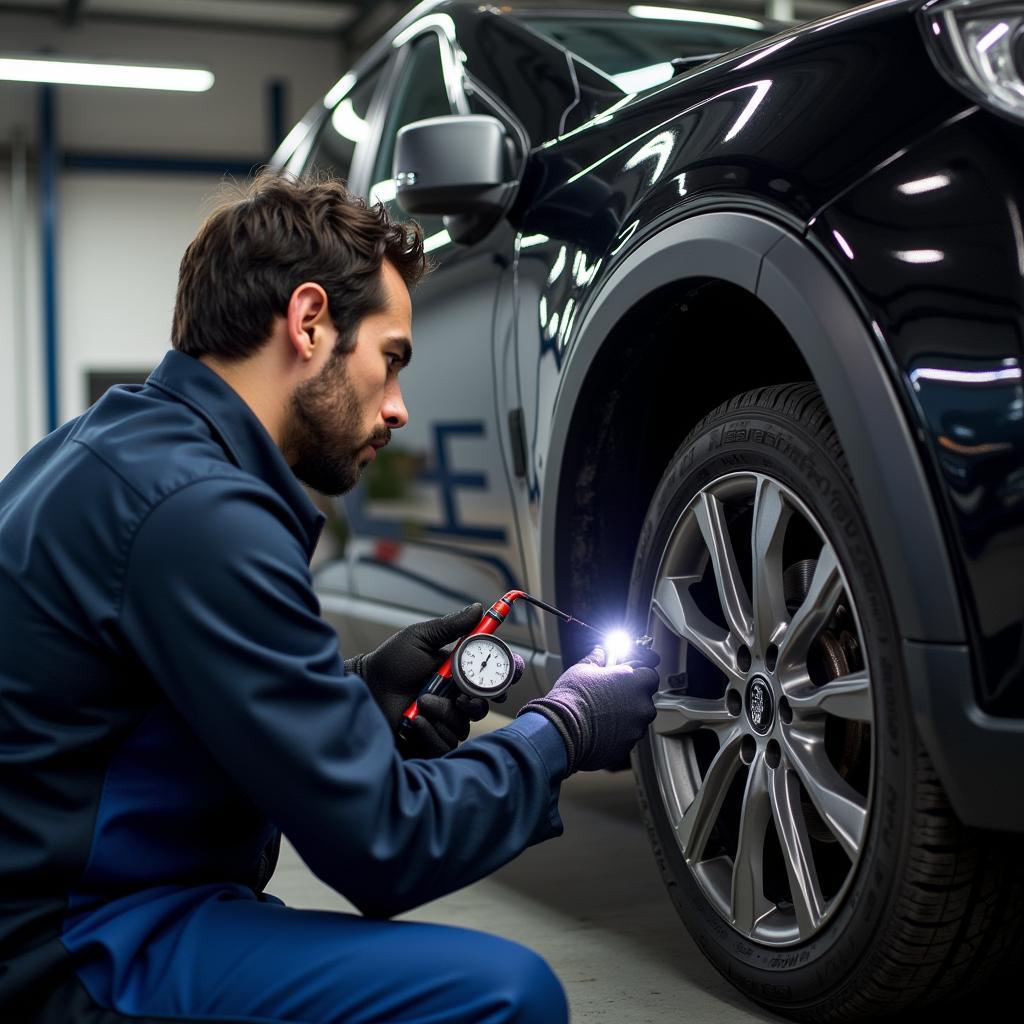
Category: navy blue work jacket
<point>170,696</point>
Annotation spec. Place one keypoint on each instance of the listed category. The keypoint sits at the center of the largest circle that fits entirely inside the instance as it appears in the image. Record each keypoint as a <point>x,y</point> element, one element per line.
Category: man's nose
<point>394,411</point>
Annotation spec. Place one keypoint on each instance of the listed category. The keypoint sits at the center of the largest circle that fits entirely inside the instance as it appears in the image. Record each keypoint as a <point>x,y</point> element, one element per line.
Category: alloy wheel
<point>763,739</point>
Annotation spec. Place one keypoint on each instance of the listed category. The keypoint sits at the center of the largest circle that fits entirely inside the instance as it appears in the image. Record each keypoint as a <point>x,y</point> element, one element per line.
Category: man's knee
<point>528,989</point>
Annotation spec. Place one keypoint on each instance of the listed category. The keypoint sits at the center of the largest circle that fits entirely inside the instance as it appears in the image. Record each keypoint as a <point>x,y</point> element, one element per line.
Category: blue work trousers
<point>231,960</point>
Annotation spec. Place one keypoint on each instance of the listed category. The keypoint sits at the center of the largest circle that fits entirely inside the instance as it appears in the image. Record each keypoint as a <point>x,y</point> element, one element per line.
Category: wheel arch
<point>766,276</point>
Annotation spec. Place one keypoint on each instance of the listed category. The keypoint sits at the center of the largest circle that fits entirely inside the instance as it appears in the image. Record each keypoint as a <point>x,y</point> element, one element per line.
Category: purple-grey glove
<point>601,712</point>
<point>397,670</point>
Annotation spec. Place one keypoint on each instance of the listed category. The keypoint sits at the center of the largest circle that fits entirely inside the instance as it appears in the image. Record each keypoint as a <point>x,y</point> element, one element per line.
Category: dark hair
<point>256,248</point>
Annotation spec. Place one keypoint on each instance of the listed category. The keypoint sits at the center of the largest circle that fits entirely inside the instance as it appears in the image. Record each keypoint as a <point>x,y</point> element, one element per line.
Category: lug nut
<point>771,657</point>
<point>773,754</point>
<point>743,659</point>
<point>748,750</point>
<point>734,703</point>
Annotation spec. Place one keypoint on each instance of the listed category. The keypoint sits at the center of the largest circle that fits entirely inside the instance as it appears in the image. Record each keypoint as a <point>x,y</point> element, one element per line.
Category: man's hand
<point>601,712</point>
<point>397,670</point>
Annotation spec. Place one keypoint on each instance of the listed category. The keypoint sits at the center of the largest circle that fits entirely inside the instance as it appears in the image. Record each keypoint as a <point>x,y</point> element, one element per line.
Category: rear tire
<point>876,898</point>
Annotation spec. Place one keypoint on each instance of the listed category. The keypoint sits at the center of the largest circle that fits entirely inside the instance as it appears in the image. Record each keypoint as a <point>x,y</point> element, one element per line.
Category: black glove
<point>397,670</point>
<point>601,712</point>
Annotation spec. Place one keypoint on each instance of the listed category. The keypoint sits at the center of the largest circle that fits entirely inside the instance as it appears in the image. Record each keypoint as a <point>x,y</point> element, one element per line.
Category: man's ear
<point>308,316</point>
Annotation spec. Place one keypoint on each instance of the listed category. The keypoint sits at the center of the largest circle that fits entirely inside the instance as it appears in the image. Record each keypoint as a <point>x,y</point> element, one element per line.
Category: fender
<point>843,356</point>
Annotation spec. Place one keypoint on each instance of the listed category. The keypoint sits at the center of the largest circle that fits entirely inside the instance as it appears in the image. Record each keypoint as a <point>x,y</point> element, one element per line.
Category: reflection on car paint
<point>976,414</point>
<point>658,150</point>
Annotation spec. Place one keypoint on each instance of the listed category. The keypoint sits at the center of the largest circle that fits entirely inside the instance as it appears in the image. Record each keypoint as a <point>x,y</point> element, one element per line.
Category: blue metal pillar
<point>275,113</point>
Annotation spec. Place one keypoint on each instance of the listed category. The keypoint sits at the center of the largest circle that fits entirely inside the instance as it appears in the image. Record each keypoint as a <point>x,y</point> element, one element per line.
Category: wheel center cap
<point>760,705</point>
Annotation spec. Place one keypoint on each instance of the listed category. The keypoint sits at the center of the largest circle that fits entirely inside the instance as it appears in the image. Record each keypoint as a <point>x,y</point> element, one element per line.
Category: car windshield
<point>636,51</point>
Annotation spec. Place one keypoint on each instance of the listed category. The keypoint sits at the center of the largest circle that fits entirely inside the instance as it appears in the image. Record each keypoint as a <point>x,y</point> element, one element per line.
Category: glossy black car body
<point>759,207</point>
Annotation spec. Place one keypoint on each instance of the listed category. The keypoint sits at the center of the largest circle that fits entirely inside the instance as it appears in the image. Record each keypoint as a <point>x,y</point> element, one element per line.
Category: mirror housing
<point>458,166</point>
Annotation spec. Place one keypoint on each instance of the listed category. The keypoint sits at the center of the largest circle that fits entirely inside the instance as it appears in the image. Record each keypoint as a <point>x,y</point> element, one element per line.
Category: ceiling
<point>313,16</point>
<point>355,22</point>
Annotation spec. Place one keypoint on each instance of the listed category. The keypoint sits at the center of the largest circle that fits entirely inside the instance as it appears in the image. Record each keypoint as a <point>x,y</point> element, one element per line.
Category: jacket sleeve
<point>219,607</point>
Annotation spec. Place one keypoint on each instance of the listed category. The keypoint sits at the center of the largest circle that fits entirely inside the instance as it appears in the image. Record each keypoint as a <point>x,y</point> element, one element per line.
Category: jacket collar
<point>244,439</point>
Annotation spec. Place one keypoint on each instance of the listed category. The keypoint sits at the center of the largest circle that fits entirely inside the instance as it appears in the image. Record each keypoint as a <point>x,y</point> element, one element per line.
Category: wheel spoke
<point>808,902</point>
<point>676,608</point>
<point>810,618</point>
<point>731,590</point>
<point>846,697</point>
<point>695,826</point>
<point>680,713</point>
<point>771,515</point>
<point>748,902</point>
<point>841,807</point>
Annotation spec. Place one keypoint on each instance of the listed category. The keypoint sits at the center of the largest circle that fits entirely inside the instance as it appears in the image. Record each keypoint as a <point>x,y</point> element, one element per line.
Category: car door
<point>431,525</point>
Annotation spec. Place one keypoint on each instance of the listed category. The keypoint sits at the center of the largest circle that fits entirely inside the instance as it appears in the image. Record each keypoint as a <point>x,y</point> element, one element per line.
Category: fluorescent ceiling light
<point>965,376</point>
<point>929,184</point>
<point>432,242</point>
<point>701,17</point>
<point>760,91</point>
<point>843,244</point>
<point>920,255</point>
<point>643,78</point>
<point>118,76</point>
<point>341,88</point>
<point>347,123</point>
<point>991,38</point>
<point>442,21</point>
<point>384,191</point>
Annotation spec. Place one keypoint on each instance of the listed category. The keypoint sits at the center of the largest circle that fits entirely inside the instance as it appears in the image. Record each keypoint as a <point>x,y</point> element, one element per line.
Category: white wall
<point>21,371</point>
<point>121,235</point>
<point>121,238</point>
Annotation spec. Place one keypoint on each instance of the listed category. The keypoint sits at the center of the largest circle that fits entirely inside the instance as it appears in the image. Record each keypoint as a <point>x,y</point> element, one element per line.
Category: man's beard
<point>322,434</point>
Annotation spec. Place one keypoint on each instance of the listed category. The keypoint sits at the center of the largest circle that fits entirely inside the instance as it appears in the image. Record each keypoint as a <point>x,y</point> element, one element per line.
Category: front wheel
<point>797,822</point>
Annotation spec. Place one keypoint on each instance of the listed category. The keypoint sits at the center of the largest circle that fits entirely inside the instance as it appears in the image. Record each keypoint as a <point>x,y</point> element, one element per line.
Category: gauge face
<point>484,666</point>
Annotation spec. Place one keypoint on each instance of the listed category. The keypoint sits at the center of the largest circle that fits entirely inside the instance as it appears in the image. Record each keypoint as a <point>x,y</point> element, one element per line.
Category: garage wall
<point>21,388</point>
<point>121,238</point>
<point>120,233</point>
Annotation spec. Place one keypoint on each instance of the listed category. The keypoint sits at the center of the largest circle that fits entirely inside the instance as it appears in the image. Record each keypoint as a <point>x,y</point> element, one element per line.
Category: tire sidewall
<point>778,445</point>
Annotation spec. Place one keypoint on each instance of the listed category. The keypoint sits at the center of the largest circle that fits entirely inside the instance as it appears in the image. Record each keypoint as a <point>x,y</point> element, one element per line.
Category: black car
<point>724,343</point>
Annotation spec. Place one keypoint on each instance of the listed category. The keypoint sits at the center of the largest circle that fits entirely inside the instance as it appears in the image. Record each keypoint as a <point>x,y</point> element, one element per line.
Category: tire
<point>784,742</point>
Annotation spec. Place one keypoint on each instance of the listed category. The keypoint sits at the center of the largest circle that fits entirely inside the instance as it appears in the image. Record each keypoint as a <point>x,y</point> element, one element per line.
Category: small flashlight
<point>617,646</point>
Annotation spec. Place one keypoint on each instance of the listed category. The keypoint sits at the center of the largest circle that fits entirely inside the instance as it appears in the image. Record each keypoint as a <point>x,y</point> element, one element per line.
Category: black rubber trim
<point>976,755</point>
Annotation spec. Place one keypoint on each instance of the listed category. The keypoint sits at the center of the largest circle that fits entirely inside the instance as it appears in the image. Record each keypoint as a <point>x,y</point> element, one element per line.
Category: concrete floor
<point>593,905</point>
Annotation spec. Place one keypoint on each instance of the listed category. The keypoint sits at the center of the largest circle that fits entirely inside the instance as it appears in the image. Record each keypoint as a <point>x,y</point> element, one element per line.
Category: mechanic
<point>171,699</point>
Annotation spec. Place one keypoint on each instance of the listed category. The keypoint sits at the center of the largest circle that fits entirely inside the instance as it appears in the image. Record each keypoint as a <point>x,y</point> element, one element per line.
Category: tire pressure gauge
<point>483,666</point>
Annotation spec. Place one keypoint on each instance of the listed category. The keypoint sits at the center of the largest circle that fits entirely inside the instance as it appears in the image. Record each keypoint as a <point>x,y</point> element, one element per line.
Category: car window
<point>419,94</point>
<point>347,126</point>
<point>629,49</point>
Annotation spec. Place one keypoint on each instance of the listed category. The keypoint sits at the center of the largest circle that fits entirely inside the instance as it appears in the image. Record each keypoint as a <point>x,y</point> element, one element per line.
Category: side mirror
<point>459,166</point>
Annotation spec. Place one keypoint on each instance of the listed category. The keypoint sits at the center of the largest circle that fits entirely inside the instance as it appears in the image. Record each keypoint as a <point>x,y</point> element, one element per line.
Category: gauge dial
<point>484,666</point>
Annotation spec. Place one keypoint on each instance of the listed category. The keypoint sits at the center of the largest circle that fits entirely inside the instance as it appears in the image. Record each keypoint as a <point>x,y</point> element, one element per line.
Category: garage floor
<point>593,904</point>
